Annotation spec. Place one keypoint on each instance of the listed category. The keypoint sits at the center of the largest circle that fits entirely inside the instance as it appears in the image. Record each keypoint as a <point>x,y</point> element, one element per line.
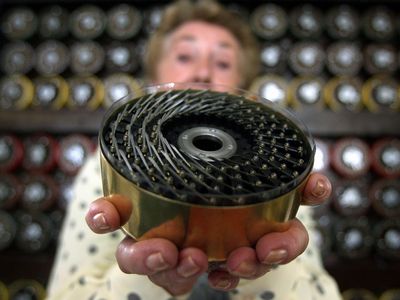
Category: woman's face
<point>200,52</point>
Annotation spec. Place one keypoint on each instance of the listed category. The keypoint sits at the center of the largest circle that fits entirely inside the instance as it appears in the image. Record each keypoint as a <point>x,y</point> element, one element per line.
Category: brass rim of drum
<point>62,91</point>
<point>27,91</point>
<point>97,89</point>
<point>9,225</point>
<point>388,233</point>
<point>134,16</point>
<point>298,66</point>
<point>135,88</point>
<point>279,56</point>
<point>53,13</point>
<point>386,165</point>
<point>330,96</point>
<point>3,291</point>
<point>390,294</point>
<point>97,60</point>
<point>295,84</point>
<point>307,10</point>
<point>368,93</point>
<point>377,194</point>
<point>13,190</point>
<point>45,50</point>
<point>353,64</point>
<point>368,21</point>
<point>258,84</point>
<point>256,20</point>
<point>356,162</point>
<point>365,294</point>
<point>122,57</point>
<point>17,48</point>
<point>20,33</point>
<point>92,11</point>
<point>343,10</point>
<point>19,284</point>
<point>373,51</point>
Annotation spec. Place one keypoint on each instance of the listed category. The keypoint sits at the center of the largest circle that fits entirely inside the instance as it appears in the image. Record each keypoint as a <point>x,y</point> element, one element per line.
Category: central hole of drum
<point>207,143</point>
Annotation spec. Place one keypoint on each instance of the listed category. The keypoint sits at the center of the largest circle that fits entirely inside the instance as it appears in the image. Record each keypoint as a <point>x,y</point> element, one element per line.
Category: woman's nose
<point>203,72</point>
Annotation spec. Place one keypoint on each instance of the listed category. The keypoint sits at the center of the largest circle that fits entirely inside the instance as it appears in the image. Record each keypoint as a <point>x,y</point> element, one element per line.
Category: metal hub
<point>207,143</point>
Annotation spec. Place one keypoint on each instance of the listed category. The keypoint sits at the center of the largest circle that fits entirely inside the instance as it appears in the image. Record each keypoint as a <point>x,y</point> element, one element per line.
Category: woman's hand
<point>177,271</point>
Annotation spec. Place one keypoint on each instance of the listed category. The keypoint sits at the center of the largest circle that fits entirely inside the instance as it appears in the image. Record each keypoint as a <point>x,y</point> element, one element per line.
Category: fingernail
<point>245,269</point>
<point>100,221</point>
<point>156,262</point>
<point>275,257</point>
<point>223,284</point>
<point>187,267</point>
<point>319,189</point>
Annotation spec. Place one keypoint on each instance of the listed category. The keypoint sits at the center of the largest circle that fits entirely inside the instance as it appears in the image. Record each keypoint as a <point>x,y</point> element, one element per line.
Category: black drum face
<point>206,147</point>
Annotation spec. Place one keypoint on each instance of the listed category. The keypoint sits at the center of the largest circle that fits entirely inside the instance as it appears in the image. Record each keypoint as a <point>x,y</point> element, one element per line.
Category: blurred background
<point>335,64</point>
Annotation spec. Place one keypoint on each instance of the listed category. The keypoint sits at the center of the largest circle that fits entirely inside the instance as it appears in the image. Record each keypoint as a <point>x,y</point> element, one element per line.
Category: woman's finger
<point>146,257</point>
<point>282,247</point>
<point>107,214</point>
<point>243,262</point>
<point>318,188</point>
<point>180,280</point>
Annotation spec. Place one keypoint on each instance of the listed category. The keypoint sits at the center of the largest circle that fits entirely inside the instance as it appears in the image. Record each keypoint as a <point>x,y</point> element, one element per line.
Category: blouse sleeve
<point>85,267</point>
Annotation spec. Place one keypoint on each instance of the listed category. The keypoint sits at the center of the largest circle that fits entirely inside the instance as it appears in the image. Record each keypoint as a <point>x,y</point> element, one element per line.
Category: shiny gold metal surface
<point>215,230</point>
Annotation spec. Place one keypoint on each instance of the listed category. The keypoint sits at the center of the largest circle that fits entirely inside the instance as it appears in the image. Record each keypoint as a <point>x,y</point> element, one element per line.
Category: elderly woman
<point>205,43</point>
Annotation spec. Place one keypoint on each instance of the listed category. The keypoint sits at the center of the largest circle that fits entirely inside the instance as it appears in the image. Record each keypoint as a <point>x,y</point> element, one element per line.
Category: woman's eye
<point>183,58</point>
<point>223,65</point>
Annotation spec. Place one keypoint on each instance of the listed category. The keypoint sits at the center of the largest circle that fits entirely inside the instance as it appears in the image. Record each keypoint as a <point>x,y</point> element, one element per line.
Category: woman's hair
<point>212,12</point>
